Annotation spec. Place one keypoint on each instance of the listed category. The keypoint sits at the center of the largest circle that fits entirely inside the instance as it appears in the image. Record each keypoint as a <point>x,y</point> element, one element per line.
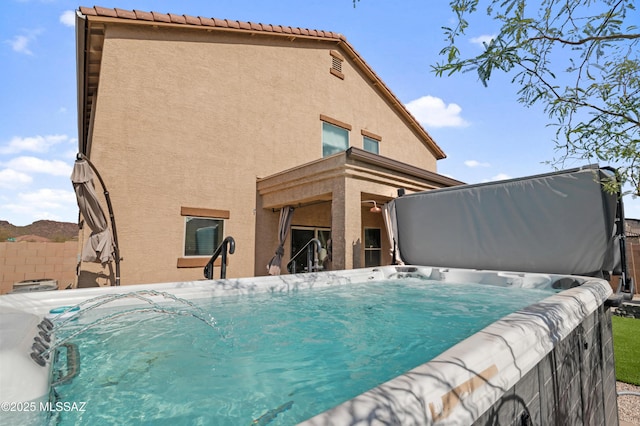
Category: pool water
<point>271,358</point>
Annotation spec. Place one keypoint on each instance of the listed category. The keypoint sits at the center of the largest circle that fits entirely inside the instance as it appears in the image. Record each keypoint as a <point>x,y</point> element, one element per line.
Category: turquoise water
<point>274,359</point>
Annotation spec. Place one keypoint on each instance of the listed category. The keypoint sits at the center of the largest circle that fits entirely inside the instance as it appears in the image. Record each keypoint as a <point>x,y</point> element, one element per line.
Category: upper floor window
<point>371,145</point>
<point>370,141</point>
<point>334,139</point>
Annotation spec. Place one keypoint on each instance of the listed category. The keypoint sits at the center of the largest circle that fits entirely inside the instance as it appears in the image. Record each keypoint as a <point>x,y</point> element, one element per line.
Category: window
<point>334,139</point>
<point>372,247</point>
<point>371,145</point>
<point>370,141</point>
<point>202,235</point>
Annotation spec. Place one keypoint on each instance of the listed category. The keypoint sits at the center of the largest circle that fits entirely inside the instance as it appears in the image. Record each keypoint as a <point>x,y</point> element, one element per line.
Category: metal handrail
<point>312,261</point>
<point>228,244</point>
<point>73,364</point>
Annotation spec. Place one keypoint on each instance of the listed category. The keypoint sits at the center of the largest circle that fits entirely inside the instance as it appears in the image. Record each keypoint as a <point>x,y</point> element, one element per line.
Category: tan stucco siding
<point>186,118</point>
<point>355,101</point>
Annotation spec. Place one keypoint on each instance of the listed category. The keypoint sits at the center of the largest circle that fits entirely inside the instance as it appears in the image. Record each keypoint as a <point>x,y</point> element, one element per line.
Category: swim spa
<point>548,360</point>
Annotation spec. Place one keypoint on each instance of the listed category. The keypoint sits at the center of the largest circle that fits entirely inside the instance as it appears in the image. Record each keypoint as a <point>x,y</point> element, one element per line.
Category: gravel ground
<point>628,405</point>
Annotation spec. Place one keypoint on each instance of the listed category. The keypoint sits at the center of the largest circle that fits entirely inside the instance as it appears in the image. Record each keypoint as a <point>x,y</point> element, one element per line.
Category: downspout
<point>81,82</point>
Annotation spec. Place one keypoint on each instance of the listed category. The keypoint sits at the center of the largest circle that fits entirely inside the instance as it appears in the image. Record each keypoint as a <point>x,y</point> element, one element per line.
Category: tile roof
<point>171,18</point>
<point>252,27</point>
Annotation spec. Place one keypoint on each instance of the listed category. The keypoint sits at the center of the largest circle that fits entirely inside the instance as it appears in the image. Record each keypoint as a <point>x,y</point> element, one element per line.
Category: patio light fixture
<point>375,208</point>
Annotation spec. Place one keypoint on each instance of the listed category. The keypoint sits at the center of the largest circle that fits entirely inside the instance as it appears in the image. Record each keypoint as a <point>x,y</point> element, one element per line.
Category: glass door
<point>300,236</point>
<point>372,247</point>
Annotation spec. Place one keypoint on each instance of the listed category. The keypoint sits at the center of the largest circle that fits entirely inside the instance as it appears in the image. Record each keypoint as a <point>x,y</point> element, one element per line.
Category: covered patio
<point>337,193</point>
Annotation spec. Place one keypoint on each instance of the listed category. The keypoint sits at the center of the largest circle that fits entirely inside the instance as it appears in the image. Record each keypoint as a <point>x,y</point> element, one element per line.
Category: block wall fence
<point>20,261</point>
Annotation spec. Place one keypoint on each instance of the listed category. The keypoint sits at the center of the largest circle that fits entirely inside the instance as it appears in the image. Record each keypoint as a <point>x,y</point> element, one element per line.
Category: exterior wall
<point>191,120</point>
<point>574,385</point>
<point>31,261</point>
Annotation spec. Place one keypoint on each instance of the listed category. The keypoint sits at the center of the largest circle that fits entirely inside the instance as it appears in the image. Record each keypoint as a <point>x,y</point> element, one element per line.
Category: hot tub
<point>548,362</point>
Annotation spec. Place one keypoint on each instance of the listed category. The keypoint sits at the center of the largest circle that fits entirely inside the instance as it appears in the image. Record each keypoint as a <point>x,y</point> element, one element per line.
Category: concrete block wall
<point>574,384</point>
<point>20,261</point>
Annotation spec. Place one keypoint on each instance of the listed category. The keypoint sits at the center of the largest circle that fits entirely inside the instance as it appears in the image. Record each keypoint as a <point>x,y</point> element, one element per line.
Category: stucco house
<point>202,127</point>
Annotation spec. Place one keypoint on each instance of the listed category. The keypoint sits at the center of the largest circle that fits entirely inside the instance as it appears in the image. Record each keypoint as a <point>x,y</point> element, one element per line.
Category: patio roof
<point>377,176</point>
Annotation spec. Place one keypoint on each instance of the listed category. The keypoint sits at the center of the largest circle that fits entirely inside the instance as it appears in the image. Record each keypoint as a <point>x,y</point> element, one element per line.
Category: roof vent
<point>336,64</point>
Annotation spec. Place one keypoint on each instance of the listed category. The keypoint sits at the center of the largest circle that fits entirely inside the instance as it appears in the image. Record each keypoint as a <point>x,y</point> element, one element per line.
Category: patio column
<point>346,224</point>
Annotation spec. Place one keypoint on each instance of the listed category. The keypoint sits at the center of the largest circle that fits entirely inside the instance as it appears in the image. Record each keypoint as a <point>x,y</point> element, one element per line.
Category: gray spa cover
<point>561,223</point>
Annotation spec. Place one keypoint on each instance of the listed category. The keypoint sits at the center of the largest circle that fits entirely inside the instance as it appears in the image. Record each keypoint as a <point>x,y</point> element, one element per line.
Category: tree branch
<point>576,102</point>
<point>587,39</point>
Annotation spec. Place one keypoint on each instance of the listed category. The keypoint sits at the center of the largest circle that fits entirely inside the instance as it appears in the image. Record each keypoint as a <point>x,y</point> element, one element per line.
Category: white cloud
<point>481,40</point>
<point>10,178</point>
<point>474,163</point>
<point>51,204</point>
<point>40,144</point>
<point>39,204</point>
<point>433,112</point>
<point>20,43</point>
<point>38,165</point>
<point>68,18</point>
<point>499,176</point>
<point>69,154</point>
<point>46,198</point>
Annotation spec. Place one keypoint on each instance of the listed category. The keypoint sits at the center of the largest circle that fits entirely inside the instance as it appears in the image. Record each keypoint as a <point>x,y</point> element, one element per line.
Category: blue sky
<point>486,134</point>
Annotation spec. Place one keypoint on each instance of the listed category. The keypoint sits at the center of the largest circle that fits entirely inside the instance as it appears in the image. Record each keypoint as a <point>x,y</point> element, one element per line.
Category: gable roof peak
<point>102,14</point>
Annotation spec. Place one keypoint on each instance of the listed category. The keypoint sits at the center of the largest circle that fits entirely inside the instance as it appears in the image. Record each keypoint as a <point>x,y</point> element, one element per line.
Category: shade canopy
<point>100,245</point>
<point>561,222</point>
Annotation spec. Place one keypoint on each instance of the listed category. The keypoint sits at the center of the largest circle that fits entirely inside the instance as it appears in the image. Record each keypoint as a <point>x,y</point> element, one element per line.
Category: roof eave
<point>404,112</point>
<point>391,164</point>
<point>80,78</point>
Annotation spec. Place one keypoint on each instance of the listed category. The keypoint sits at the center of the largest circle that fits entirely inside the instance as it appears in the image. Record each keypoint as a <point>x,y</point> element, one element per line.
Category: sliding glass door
<point>300,236</point>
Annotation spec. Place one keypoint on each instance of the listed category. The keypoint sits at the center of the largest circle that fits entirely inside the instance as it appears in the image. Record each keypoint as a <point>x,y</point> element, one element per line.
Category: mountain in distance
<point>41,230</point>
